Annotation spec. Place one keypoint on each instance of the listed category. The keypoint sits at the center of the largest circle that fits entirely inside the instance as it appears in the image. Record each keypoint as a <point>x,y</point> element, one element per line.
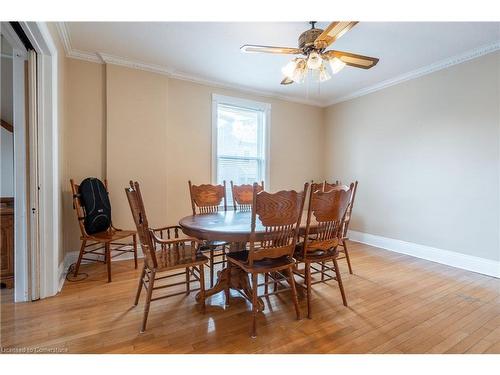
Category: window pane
<point>240,148</point>
<point>238,132</point>
<point>241,171</point>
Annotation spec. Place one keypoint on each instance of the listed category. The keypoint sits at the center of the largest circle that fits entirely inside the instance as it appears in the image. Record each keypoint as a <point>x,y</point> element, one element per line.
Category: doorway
<point>6,166</point>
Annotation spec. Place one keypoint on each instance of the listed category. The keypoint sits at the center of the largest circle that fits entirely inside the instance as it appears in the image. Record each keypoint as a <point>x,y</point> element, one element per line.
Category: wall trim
<point>105,58</point>
<point>447,257</point>
<point>443,64</point>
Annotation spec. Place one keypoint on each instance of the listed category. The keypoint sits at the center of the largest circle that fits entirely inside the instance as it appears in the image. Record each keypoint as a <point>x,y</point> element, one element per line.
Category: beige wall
<point>428,164</point>
<point>294,127</point>
<point>129,124</point>
<point>84,136</point>
<point>426,154</point>
<point>136,141</point>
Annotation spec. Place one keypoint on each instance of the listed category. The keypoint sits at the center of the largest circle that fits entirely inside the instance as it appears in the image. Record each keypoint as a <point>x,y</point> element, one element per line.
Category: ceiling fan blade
<point>351,59</point>
<point>286,81</point>
<point>333,32</point>
<point>268,49</point>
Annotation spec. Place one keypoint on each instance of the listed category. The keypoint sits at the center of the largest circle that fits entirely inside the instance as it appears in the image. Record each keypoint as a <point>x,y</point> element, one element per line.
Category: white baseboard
<point>72,257</point>
<point>450,258</point>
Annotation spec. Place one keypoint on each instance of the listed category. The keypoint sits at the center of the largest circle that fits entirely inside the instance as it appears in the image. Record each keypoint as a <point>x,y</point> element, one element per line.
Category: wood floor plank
<point>397,304</point>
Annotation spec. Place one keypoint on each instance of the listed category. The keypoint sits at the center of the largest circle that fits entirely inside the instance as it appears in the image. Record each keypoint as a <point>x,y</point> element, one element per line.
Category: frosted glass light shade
<point>336,65</point>
<point>323,74</point>
<point>314,60</point>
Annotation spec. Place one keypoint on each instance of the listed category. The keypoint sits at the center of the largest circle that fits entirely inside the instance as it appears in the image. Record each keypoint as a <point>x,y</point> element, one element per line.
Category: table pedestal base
<point>239,281</point>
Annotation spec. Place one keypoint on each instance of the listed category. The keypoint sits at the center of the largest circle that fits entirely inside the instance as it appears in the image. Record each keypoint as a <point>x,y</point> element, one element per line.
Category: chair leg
<point>188,278</point>
<point>135,250</point>
<point>323,271</point>
<point>211,267</point>
<point>80,256</point>
<point>254,305</point>
<point>148,300</point>
<point>309,289</point>
<point>346,252</point>
<point>139,288</point>
<point>339,280</point>
<point>291,281</point>
<point>228,285</point>
<point>107,248</point>
<point>202,288</point>
<point>266,280</point>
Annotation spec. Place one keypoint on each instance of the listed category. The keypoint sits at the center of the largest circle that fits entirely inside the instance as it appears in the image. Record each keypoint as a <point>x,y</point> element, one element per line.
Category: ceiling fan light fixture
<point>289,68</point>
<point>300,72</point>
<point>295,70</point>
<point>314,60</point>
<point>323,74</point>
<point>336,65</point>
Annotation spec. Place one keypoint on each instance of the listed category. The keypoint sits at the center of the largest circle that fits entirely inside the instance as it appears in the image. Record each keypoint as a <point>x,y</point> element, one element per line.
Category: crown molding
<point>104,58</point>
<point>443,64</point>
<point>122,61</point>
<point>64,36</point>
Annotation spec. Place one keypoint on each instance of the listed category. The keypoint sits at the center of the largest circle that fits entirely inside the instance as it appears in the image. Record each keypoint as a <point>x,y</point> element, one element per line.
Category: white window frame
<point>249,104</point>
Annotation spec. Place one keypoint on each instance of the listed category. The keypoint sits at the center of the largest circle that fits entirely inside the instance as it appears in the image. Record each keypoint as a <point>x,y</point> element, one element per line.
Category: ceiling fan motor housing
<point>307,38</point>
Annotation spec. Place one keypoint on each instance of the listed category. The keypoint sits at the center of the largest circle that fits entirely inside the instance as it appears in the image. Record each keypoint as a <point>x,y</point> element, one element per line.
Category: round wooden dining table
<point>233,227</point>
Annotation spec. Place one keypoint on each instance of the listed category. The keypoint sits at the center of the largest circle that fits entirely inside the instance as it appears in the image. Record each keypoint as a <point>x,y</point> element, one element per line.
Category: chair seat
<point>179,258</point>
<point>240,258</point>
<point>314,255</point>
<point>111,235</point>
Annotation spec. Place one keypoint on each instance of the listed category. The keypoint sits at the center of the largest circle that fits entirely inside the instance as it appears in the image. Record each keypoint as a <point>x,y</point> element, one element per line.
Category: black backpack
<point>95,201</point>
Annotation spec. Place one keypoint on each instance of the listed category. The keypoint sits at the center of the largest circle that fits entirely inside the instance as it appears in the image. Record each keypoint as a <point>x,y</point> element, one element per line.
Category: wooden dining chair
<point>343,245</point>
<point>330,185</point>
<point>243,196</point>
<point>320,245</point>
<point>164,251</point>
<point>206,199</point>
<point>270,251</point>
<point>101,245</point>
<point>345,227</point>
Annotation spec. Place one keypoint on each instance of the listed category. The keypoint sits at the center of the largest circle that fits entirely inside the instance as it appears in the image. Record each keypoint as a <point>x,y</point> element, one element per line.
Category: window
<point>240,141</point>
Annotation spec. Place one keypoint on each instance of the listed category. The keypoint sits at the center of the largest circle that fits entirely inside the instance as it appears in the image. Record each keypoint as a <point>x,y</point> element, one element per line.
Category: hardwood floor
<point>397,304</point>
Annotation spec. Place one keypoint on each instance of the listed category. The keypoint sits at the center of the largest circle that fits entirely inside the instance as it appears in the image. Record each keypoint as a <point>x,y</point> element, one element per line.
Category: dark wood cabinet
<point>7,242</point>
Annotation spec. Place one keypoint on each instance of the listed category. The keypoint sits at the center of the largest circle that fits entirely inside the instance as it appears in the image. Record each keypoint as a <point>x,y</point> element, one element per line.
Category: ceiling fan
<point>312,45</point>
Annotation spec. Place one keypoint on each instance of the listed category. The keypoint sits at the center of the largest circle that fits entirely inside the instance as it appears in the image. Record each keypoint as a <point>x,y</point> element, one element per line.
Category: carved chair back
<point>280,214</point>
<point>207,198</point>
<point>329,186</point>
<point>78,207</point>
<point>141,222</point>
<point>329,209</point>
<point>348,214</point>
<point>243,196</point>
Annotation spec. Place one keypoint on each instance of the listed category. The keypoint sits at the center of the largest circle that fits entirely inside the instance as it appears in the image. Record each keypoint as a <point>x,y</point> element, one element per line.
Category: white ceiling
<point>210,51</point>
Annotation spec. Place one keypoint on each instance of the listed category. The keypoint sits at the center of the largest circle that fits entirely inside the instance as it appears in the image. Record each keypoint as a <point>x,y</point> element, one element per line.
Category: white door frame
<point>48,156</point>
<point>21,217</point>
<point>48,161</point>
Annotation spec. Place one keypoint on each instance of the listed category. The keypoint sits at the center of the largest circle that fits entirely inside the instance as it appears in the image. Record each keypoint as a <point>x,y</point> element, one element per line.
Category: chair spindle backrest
<point>280,214</point>
<point>329,209</point>
<point>348,214</point>
<point>243,196</point>
<point>328,186</point>
<point>207,198</point>
<point>141,222</point>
